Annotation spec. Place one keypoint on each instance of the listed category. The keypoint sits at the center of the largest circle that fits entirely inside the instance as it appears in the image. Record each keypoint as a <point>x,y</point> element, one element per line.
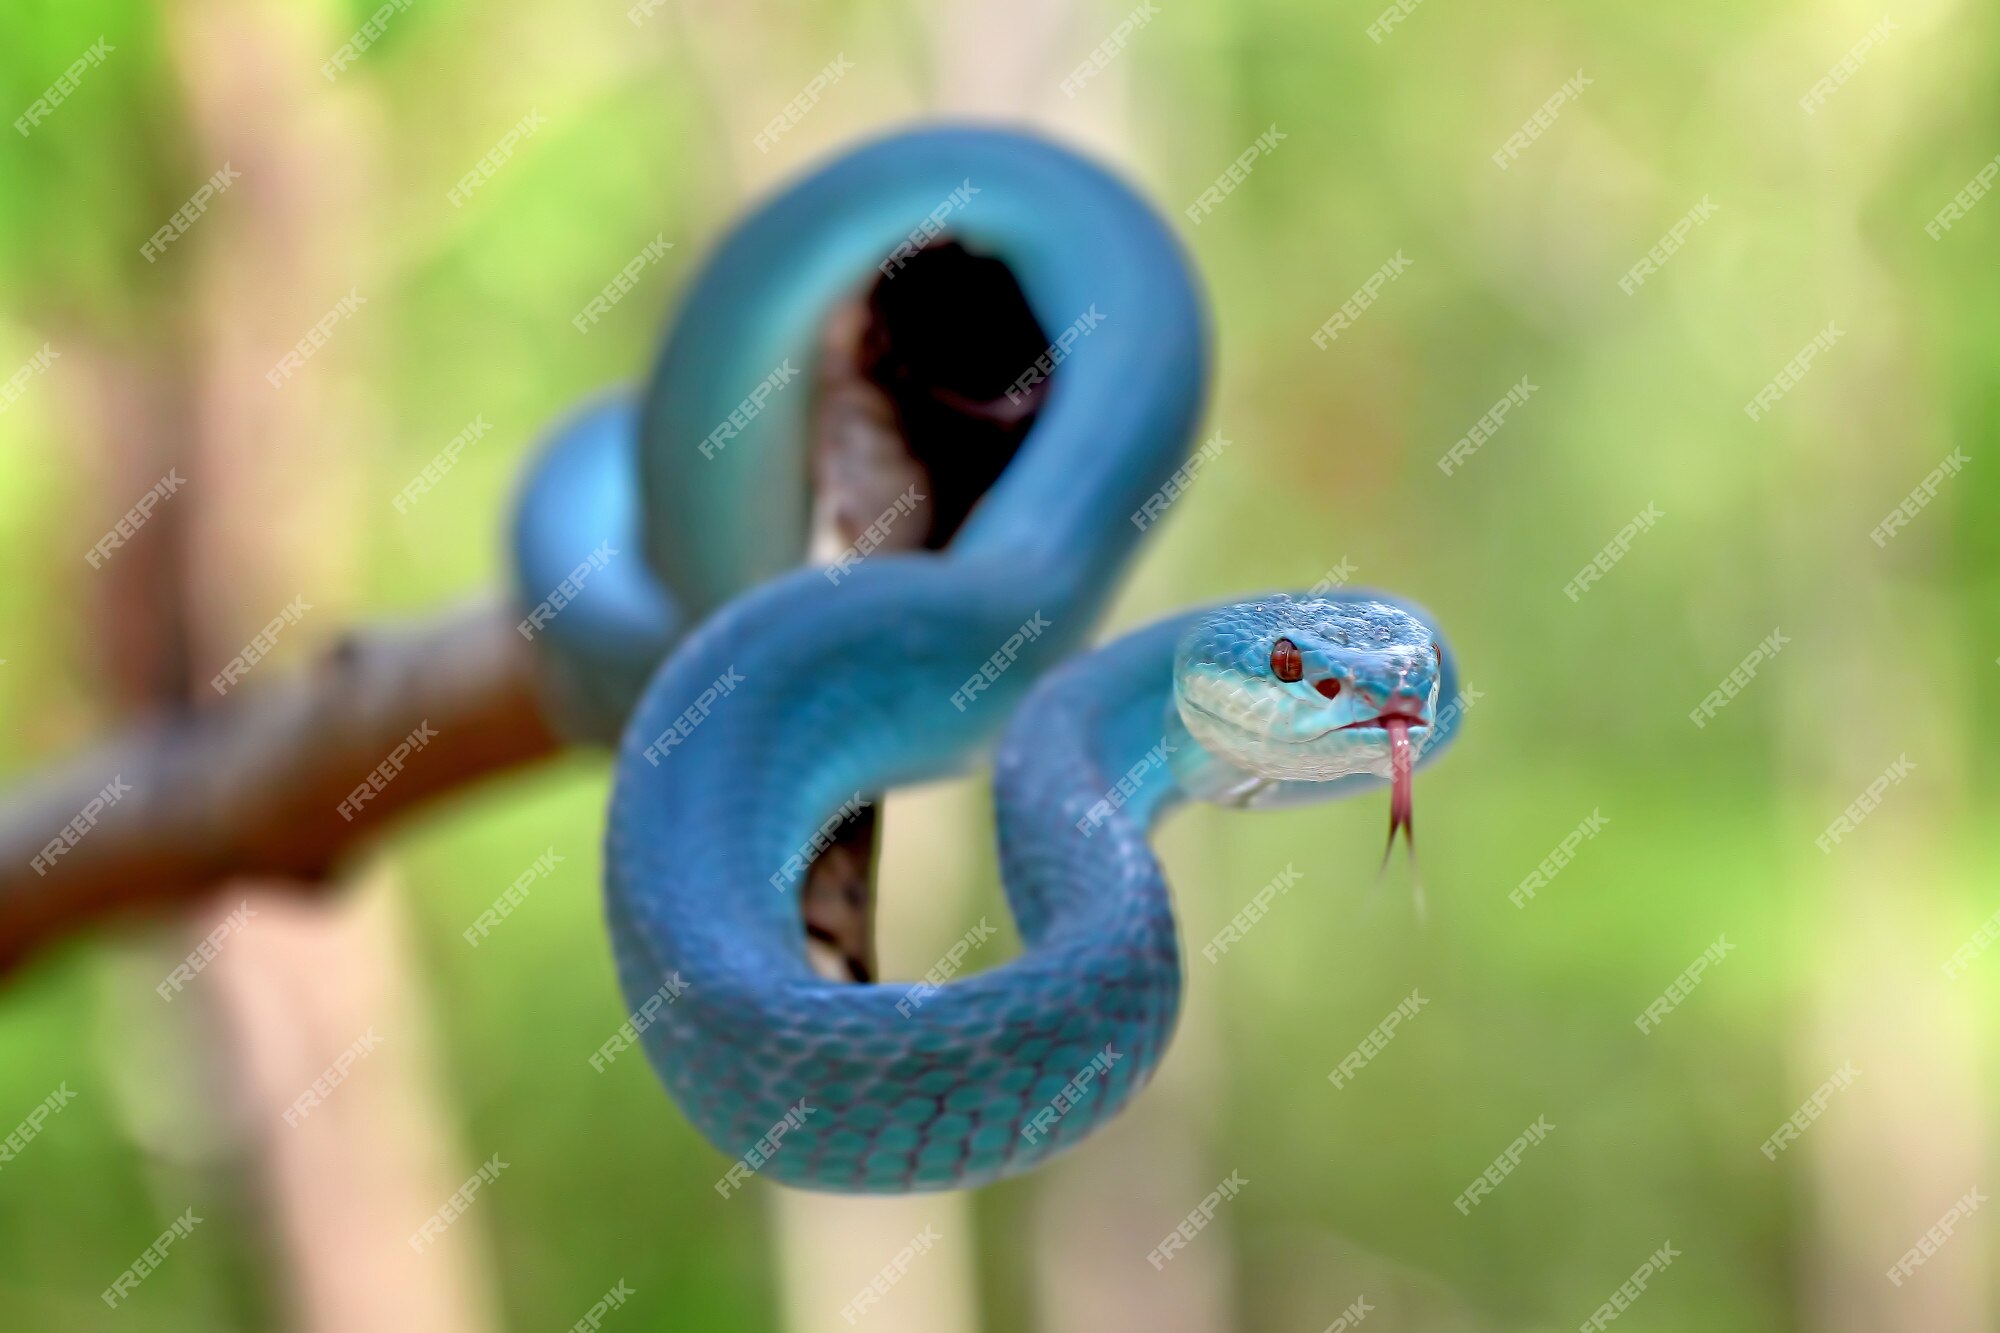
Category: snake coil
<point>756,700</point>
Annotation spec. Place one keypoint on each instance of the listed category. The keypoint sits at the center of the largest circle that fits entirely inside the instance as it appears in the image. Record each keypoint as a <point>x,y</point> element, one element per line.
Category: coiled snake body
<point>791,698</point>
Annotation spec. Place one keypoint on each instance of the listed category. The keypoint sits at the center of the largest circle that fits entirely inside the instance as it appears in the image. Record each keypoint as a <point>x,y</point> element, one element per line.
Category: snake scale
<point>756,701</point>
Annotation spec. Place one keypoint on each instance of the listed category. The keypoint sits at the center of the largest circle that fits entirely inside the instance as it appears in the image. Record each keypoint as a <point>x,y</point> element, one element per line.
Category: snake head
<point>1310,689</point>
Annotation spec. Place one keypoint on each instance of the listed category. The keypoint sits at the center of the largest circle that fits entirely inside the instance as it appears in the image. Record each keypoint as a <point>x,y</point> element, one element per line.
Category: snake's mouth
<point>1380,722</point>
<point>1413,727</point>
<point>1383,720</point>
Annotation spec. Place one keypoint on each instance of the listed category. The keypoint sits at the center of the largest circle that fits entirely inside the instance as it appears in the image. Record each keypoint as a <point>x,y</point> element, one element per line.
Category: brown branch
<point>253,784</point>
<point>258,784</point>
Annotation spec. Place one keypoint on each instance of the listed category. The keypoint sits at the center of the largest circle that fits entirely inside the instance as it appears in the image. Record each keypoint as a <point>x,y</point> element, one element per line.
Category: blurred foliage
<point>1584,705</point>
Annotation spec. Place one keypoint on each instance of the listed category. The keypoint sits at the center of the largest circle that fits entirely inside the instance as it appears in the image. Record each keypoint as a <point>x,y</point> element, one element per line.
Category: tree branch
<point>253,784</point>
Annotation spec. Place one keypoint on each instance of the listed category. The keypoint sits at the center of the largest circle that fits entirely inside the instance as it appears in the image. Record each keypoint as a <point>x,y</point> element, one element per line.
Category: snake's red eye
<point>1329,687</point>
<point>1285,662</point>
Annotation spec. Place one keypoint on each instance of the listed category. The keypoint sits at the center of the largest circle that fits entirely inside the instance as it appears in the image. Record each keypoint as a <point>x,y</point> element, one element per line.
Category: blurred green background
<point>1583,704</point>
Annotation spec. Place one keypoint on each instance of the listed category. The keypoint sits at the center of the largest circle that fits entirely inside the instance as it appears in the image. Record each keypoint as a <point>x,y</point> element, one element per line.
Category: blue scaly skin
<point>904,1089</point>
<point>907,669</point>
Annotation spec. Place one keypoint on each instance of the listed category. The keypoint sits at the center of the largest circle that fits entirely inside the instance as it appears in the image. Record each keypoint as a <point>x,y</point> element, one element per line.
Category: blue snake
<point>755,700</point>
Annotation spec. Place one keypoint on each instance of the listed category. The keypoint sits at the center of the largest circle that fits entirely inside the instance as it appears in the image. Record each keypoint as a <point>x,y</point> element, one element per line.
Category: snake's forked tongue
<point>1401,788</point>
